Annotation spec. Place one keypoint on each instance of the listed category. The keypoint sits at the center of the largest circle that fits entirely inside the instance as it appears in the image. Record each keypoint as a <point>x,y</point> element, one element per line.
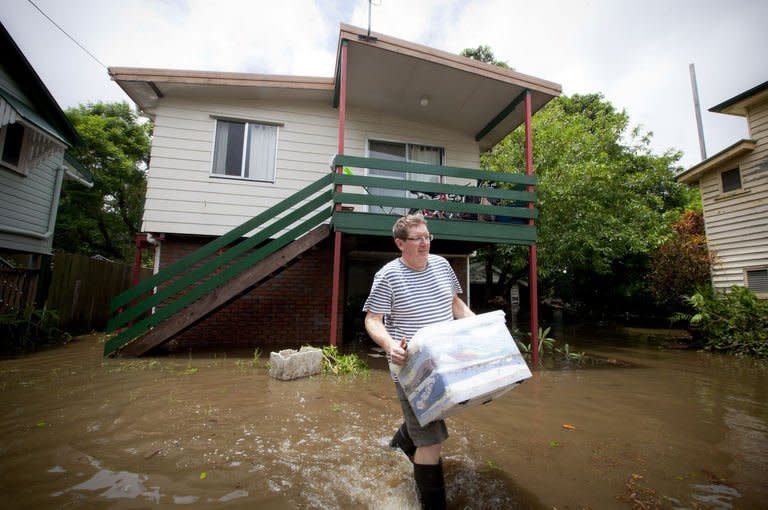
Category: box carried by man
<point>455,365</point>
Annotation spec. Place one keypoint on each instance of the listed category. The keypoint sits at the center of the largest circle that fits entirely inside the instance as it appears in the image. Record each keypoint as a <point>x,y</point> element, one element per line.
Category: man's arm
<point>460,308</point>
<point>374,325</point>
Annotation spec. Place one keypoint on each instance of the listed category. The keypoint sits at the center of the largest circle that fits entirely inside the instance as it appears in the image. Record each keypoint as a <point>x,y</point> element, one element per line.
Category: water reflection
<point>680,429</point>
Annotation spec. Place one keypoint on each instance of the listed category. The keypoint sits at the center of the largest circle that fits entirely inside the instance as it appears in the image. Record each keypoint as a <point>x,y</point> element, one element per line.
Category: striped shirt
<point>411,299</point>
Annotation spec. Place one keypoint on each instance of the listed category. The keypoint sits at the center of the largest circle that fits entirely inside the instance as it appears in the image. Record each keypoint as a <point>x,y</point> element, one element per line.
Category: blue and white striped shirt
<point>411,299</point>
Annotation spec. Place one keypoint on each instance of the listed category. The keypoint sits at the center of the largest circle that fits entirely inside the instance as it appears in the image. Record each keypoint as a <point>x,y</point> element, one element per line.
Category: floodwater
<point>645,426</point>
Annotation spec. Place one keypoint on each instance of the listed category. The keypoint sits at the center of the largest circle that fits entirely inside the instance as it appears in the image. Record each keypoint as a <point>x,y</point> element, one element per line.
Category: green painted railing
<point>497,212</point>
<point>181,283</point>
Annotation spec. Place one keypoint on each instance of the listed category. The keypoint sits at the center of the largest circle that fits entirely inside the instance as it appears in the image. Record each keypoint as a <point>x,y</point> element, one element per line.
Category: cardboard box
<point>456,365</point>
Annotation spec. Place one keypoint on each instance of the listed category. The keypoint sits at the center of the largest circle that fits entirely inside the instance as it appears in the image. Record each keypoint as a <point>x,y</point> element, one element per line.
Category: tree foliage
<point>483,53</point>
<point>605,200</point>
<point>681,265</point>
<point>104,220</point>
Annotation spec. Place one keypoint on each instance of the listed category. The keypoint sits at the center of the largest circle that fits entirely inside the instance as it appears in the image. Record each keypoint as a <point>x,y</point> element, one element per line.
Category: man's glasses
<point>420,239</point>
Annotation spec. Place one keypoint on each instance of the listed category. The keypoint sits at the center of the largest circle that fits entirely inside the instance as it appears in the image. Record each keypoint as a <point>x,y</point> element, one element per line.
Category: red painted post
<point>140,241</point>
<point>532,261</point>
<point>337,234</point>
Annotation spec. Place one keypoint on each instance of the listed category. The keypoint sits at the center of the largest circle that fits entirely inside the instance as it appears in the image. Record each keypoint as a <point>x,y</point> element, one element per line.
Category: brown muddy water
<point>647,427</point>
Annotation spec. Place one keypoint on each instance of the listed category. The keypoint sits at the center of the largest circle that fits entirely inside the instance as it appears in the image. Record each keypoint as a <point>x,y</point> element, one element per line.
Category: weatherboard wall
<point>183,197</point>
<point>737,221</point>
<point>26,204</point>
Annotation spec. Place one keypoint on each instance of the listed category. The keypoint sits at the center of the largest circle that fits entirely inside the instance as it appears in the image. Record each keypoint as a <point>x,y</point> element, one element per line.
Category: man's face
<point>415,249</point>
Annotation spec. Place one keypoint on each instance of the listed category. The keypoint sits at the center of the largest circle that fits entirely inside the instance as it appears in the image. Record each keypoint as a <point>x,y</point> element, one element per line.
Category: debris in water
<point>567,426</point>
<point>150,455</point>
<point>642,498</point>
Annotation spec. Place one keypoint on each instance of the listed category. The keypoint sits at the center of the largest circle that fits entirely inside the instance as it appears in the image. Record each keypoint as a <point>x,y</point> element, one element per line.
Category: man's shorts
<point>433,433</point>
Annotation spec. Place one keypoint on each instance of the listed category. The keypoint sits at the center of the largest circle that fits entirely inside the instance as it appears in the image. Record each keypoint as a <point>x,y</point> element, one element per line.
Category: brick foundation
<point>290,309</point>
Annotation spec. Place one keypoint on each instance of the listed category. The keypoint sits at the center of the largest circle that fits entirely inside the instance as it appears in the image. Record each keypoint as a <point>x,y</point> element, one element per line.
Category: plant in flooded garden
<point>335,363</point>
<point>24,331</point>
<point>548,345</point>
<point>734,321</point>
<point>681,264</point>
<point>257,359</point>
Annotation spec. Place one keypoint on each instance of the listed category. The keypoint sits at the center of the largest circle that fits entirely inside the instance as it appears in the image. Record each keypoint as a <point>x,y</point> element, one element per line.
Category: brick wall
<point>290,309</point>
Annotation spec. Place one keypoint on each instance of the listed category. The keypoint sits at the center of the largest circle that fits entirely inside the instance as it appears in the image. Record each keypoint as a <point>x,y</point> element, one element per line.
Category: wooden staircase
<point>220,296</point>
<point>176,297</point>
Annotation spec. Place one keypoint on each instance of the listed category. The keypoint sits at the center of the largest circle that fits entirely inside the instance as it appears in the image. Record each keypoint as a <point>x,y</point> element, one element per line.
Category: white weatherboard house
<point>311,173</point>
<point>34,137</point>
<point>734,192</point>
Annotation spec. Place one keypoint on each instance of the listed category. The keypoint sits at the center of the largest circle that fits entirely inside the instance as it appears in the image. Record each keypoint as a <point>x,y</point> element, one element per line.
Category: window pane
<point>14,135</point>
<point>262,144</point>
<point>425,154</point>
<point>228,149</point>
<point>731,180</point>
<point>391,151</point>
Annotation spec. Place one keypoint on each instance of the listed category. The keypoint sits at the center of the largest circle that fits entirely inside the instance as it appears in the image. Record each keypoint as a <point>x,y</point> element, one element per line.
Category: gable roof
<point>385,74</point>
<point>40,108</point>
<point>738,104</point>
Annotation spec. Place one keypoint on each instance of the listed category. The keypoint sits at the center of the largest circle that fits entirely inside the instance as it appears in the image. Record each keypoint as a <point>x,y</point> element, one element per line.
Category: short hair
<point>401,226</point>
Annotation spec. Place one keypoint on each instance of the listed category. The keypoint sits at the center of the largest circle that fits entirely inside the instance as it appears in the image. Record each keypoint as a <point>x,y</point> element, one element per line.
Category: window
<point>401,152</point>
<point>247,150</point>
<point>757,280</point>
<point>731,180</point>
<point>11,143</point>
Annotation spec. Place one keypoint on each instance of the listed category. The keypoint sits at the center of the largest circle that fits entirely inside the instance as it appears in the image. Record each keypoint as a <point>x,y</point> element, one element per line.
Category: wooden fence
<point>81,289</point>
<point>17,288</point>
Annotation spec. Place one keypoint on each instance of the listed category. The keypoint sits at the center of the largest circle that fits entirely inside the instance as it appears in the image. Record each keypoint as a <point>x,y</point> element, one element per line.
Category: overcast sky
<point>636,53</point>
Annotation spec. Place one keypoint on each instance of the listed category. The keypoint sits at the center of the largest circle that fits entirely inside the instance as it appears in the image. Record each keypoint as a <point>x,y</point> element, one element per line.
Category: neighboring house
<point>734,192</point>
<point>34,137</point>
<point>399,119</point>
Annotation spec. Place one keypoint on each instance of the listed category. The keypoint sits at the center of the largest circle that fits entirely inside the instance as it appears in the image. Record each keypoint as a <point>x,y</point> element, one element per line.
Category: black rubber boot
<point>430,485</point>
<point>402,440</point>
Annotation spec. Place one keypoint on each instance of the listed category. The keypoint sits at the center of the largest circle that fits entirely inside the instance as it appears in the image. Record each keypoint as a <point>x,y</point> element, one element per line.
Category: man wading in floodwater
<point>408,293</point>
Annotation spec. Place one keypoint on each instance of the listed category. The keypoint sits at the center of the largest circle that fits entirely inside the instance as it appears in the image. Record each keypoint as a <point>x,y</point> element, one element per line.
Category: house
<point>734,192</point>
<point>34,137</point>
<point>239,159</point>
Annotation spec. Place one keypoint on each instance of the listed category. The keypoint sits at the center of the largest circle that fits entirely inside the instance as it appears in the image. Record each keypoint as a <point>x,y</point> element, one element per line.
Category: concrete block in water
<point>292,364</point>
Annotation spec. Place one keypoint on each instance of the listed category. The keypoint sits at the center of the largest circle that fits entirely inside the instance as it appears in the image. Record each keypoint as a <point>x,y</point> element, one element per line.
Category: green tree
<point>483,53</point>
<point>104,220</point>
<point>605,200</point>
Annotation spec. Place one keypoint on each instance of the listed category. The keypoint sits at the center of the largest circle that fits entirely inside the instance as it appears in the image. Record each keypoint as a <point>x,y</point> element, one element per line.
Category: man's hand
<point>398,353</point>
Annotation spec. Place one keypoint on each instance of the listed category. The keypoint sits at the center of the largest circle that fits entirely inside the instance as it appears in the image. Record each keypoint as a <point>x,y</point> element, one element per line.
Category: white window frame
<point>246,123</point>
<point>407,146</point>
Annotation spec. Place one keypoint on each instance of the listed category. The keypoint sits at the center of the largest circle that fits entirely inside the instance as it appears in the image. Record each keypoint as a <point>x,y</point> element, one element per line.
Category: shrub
<point>733,321</point>
<point>682,264</point>
<point>25,331</point>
